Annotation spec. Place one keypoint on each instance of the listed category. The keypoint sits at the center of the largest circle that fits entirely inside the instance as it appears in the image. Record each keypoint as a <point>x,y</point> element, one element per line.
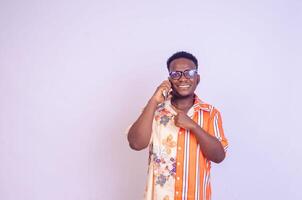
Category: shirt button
<point>178,163</point>
<point>179,148</point>
<point>178,178</point>
<point>177,192</point>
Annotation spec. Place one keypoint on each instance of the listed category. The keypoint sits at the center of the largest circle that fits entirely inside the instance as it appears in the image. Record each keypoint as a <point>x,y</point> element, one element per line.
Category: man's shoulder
<point>164,113</point>
<point>205,106</point>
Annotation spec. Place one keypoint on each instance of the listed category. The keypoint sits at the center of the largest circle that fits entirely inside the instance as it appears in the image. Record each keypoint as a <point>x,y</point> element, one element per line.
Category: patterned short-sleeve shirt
<point>177,168</point>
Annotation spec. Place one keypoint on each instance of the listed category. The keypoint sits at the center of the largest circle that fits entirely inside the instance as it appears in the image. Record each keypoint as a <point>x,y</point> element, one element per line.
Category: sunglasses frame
<point>185,73</point>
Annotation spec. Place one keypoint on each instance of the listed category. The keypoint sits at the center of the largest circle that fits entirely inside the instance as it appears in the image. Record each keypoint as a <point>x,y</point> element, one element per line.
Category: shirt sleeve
<point>154,128</point>
<point>216,129</point>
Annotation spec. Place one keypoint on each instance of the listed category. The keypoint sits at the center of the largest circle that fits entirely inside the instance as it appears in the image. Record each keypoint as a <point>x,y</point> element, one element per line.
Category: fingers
<point>177,121</point>
<point>169,96</point>
<point>167,82</point>
<point>178,112</point>
<point>162,92</point>
<point>164,89</point>
<point>165,85</point>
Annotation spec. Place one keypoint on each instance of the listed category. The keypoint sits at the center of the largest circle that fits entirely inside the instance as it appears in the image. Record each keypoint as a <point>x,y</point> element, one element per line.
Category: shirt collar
<point>198,105</point>
<point>201,105</point>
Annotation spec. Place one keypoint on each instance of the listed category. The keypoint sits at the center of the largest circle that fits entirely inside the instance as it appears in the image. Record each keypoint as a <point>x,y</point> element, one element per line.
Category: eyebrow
<point>183,70</point>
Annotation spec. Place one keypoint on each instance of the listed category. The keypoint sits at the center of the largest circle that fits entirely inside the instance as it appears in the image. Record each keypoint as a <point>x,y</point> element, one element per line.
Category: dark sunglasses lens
<point>190,73</point>
<point>175,75</point>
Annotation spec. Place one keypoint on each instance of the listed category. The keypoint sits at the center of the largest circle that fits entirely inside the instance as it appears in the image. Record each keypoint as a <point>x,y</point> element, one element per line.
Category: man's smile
<point>184,86</point>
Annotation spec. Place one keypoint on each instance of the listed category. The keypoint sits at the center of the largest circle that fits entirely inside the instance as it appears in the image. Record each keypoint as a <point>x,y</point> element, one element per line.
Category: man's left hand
<point>184,121</point>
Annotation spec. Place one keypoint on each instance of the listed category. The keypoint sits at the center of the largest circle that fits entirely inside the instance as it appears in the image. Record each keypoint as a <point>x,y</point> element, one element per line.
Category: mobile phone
<point>166,93</point>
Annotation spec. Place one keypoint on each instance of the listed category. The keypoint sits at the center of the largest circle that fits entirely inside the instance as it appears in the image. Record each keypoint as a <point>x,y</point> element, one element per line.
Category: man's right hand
<point>140,132</point>
<point>158,96</point>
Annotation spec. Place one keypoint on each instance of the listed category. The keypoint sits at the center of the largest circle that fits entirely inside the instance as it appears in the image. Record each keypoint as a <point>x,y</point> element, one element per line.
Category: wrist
<point>153,103</point>
<point>195,127</point>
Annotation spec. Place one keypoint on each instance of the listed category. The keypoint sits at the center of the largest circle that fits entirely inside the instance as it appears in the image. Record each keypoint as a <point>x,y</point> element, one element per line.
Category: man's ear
<point>198,79</point>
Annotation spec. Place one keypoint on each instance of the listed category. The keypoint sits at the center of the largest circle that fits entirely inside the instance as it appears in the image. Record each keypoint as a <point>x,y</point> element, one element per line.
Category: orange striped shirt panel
<point>177,168</point>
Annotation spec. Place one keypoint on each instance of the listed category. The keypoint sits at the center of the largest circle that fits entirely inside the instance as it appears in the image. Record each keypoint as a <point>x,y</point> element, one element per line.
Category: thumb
<point>179,112</point>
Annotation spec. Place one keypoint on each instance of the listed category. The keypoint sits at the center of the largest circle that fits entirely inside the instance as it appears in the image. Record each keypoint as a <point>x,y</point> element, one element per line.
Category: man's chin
<point>183,94</point>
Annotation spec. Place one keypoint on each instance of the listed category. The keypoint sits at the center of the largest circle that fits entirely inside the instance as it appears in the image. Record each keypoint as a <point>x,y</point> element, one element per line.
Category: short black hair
<point>182,54</point>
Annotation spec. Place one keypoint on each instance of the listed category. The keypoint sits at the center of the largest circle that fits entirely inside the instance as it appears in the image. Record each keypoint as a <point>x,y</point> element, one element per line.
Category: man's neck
<point>183,104</point>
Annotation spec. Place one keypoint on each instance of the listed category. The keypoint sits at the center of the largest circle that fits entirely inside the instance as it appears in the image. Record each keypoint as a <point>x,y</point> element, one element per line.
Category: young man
<point>184,135</point>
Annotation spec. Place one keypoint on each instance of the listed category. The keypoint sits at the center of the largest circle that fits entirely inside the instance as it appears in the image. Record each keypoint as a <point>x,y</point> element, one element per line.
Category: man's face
<point>183,86</point>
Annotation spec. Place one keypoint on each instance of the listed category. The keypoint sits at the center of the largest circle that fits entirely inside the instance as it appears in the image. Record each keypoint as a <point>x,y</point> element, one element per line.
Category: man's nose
<point>182,77</point>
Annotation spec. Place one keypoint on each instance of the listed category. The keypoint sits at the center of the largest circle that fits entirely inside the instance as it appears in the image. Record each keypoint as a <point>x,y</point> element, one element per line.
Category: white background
<point>75,74</point>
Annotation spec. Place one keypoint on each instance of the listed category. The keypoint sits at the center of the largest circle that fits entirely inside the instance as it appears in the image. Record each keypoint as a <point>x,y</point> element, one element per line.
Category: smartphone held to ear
<point>166,94</point>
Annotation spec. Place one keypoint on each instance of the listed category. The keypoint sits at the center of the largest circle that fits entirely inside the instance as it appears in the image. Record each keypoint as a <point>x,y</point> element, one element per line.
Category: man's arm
<point>140,132</point>
<point>209,145</point>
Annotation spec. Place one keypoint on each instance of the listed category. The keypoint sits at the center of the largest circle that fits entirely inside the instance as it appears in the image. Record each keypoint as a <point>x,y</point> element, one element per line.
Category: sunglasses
<point>176,75</point>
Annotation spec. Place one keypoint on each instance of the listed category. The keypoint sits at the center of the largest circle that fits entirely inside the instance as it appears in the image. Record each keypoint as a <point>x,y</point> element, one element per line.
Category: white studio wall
<point>75,74</point>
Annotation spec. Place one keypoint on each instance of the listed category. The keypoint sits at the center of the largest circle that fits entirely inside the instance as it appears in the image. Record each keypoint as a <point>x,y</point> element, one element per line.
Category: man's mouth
<point>184,86</point>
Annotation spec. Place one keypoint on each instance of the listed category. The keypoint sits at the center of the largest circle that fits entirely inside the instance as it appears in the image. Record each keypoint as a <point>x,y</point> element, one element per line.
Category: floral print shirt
<point>177,168</point>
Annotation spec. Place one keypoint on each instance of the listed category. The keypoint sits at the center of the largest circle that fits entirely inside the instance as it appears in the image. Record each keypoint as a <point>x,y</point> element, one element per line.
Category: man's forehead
<point>181,63</point>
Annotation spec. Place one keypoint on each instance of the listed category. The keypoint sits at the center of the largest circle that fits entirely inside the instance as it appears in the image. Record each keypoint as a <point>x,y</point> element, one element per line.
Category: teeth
<point>184,86</point>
